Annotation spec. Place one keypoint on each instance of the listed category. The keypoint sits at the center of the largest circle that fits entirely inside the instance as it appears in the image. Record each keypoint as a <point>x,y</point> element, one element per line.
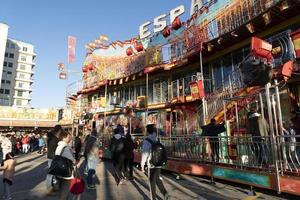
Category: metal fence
<point>243,152</point>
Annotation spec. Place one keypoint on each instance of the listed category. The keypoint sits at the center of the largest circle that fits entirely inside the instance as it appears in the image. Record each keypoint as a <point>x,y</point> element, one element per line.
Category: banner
<point>197,89</point>
<point>7,113</point>
<point>71,49</point>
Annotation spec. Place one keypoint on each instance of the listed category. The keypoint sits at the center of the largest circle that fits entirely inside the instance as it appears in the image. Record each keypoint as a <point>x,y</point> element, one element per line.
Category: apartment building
<point>17,70</point>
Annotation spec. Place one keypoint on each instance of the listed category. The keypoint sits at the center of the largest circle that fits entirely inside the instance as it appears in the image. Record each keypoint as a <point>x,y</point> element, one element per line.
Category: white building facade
<point>17,71</point>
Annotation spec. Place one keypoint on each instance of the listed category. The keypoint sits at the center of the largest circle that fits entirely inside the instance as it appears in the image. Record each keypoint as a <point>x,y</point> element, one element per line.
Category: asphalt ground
<point>29,184</point>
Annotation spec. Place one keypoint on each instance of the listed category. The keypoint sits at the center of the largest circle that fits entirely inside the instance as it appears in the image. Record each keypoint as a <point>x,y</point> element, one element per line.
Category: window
<point>23,58</point>
<point>8,82</point>
<point>7,44</point>
<point>20,85</point>
<point>19,93</point>
<point>24,48</point>
<point>12,46</point>
<point>7,91</point>
<point>5,64</point>
<point>6,55</point>
<point>2,81</point>
<point>8,72</point>
<point>11,55</point>
<point>1,91</point>
<point>22,67</point>
<point>10,65</point>
<point>21,75</point>
<point>19,102</point>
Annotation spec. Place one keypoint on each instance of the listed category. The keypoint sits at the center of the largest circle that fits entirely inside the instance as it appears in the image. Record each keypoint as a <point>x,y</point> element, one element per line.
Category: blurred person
<point>41,144</point>
<point>25,143</point>
<point>92,162</point>
<point>116,148</point>
<point>129,155</point>
<point>8,168</point>
<point>6,145</point>
<point>52,142</point>
<point>77,147</point>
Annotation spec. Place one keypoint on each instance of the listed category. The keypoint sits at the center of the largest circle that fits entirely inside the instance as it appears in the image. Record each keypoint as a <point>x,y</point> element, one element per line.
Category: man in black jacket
<point>52,140</point>
<point>213,130</point>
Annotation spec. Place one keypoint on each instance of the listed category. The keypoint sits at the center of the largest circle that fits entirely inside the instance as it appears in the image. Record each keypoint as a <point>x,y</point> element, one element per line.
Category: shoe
<point>167,197</point>
<point>122,182</point>
<point>91,187</point>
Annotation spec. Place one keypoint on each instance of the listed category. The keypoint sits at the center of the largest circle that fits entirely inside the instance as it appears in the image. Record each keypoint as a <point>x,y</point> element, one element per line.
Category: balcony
<point>23,89</point>
<point>23,97</point>
<point>26,62</point>
<point>25,71</point>
<point>24,79</point>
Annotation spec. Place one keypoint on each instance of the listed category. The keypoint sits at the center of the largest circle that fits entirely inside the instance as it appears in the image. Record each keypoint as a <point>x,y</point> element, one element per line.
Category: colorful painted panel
<point>250,178</point>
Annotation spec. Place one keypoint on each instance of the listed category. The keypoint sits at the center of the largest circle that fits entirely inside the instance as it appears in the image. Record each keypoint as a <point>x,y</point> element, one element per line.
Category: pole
<point>274,147</point>
<point>261,106</point>
<point>105,97</point>
<point>202,78</point>
<point>147,97</point>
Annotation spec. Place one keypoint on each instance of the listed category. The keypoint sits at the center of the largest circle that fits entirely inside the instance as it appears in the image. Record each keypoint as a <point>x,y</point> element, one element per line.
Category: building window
<point>21,75</point>
<point>2,81</point>
<point>20,85</point>
<point>12,46</point>
<point>8,72</point>
<point>6,55</point>
<point>19,102</point>
<point>24,48</point>
<point>11,55</point>
<point>1,91</point>
<point>8,82</point>
<point>23,58</point>
<point>5,64</point>
<point>10,65</point>
<point>19,93</point>
<point>7,91</point>
<point>22,67</point>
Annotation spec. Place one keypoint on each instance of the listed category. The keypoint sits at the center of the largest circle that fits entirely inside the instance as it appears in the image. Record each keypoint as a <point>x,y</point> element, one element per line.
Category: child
<point>92,161</point>
<point>8,166</point>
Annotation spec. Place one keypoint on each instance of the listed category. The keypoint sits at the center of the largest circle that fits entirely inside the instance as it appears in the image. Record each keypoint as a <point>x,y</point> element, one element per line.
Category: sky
<point>47,23</point>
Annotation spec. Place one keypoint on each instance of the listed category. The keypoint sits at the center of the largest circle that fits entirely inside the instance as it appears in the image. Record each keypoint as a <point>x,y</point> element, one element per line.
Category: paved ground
<point>29,184</point>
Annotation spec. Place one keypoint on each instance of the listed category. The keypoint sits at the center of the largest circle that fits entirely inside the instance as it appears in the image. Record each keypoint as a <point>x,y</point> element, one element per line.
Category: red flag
<point>71,49</point>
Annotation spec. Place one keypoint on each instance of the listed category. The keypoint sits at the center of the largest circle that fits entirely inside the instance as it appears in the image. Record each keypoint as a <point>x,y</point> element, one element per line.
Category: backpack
<point>159,156</point>
<point>117,146</point>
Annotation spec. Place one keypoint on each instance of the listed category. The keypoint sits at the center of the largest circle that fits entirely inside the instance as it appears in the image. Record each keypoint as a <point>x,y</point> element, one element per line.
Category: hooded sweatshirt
<point>146,150</point>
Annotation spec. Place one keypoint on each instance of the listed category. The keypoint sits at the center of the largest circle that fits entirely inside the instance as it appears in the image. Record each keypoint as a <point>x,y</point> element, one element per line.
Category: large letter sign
<point>144,30</point>
<point>176,12</point>
<point>159,23</point>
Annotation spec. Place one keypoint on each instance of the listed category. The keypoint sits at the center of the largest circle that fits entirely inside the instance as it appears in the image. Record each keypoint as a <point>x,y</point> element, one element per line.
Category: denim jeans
<point>90,175</point>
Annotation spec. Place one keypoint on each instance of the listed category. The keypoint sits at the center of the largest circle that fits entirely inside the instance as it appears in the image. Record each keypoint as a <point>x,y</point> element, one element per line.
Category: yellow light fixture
<point>250,27</point>
<point>267,18</point>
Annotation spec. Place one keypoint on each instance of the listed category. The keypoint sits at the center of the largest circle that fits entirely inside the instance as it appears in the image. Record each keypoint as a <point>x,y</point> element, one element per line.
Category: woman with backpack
<point>63,149</point>
<point>116,148</point>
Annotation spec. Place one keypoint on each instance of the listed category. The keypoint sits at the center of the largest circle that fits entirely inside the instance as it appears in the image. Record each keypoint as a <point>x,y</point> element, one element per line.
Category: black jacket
<point>129,147</point>
<point>213,130</point>
<point>52,141</point>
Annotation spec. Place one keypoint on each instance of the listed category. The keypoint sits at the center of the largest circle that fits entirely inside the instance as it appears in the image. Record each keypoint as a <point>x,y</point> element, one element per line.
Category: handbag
<point>77,183</point>
<point>61,166</point>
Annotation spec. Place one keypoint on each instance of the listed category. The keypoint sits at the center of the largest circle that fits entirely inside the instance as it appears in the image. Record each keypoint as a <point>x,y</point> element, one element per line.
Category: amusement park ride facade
<point>181,74</point>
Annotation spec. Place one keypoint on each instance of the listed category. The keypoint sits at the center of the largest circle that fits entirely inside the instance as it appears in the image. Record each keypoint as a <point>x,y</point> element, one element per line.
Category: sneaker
<point>91,187</point>
<point>122,182</point>
<point>167,197</point>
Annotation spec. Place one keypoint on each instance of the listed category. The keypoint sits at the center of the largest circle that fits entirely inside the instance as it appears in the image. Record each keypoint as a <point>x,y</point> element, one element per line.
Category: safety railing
<point>243,152</point>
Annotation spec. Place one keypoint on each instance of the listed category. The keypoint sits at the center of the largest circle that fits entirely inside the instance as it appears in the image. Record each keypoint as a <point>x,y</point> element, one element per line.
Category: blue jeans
<point>90,175</point>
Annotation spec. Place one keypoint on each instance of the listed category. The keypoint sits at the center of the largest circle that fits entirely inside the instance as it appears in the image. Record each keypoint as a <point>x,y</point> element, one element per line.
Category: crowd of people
<point>122,145</point>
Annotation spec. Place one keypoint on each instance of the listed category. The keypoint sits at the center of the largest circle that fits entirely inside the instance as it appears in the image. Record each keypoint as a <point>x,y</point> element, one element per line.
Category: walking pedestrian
<point>25,143</point>
<point>92,161</point>
<point>116,148</point>
<point>41,145</point>
<point>77,147</point>
<point>6,146</point>
<point>63,149</point>
<point>153,171</point>
<point>129,156</point>
<point>8,168</point>
<point>52,141</point>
